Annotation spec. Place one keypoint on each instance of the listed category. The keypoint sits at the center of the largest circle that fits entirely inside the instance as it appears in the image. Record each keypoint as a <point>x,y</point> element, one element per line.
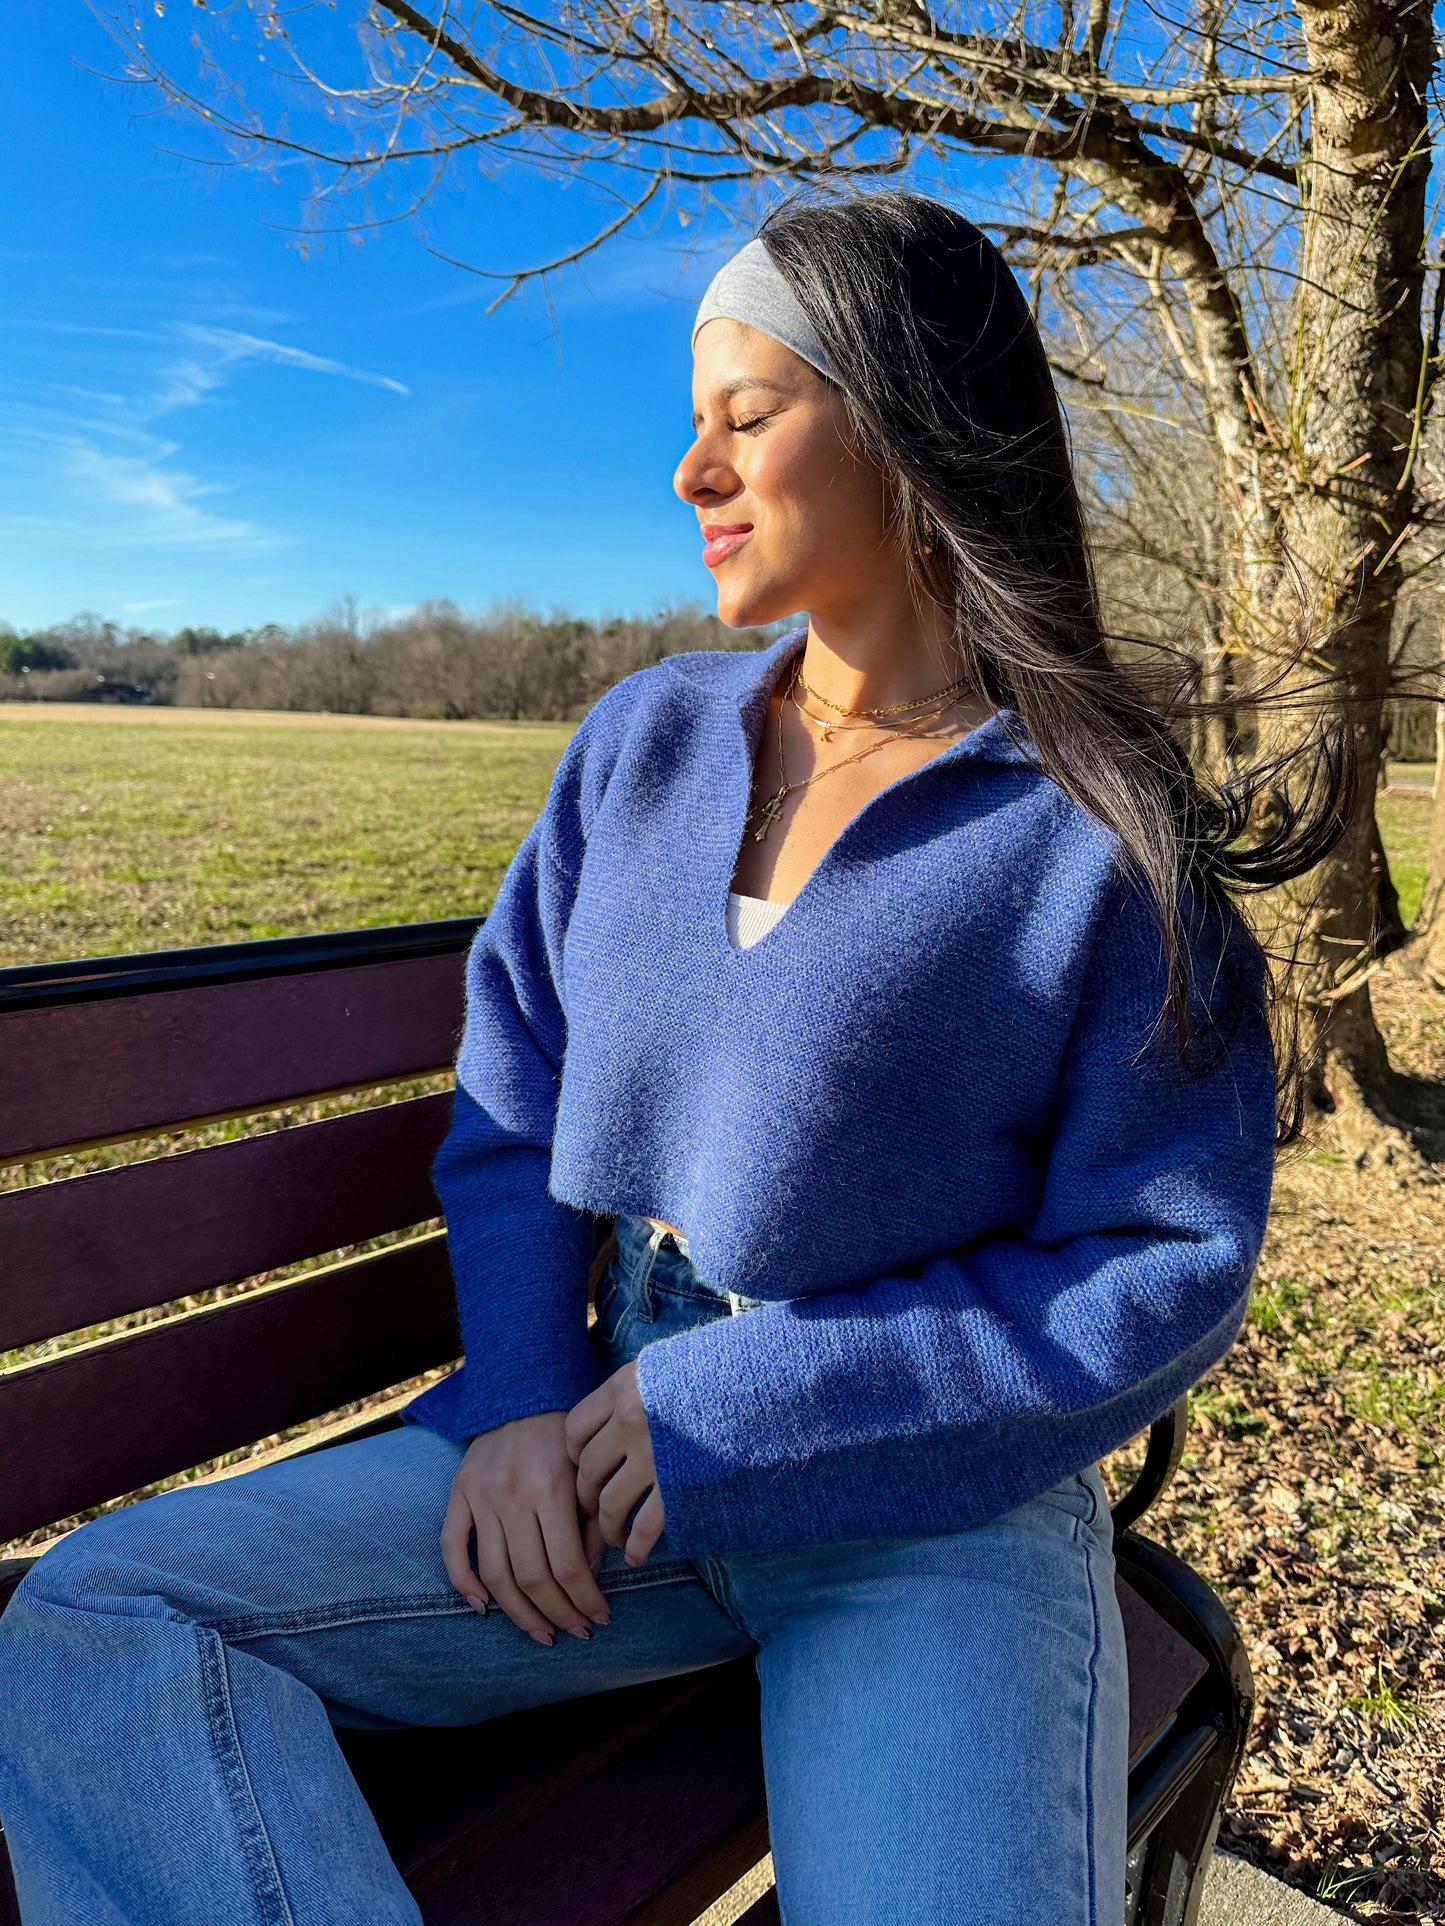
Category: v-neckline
<point>752,707</point>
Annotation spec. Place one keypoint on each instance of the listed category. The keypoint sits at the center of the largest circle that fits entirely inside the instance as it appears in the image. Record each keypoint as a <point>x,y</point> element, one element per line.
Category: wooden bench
<point>538,1826</point>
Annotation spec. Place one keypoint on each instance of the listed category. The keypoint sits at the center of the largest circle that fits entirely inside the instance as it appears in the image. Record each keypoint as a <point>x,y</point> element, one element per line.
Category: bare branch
<point>1042,71</point>
<point>518,277</point>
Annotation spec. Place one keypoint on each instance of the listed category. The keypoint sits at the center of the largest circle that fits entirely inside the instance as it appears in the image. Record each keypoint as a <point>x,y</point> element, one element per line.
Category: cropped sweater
<point>996,1230</point>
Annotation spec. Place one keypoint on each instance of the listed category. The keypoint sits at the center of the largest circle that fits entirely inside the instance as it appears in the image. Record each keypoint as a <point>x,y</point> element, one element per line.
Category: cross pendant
<point>769,812</point>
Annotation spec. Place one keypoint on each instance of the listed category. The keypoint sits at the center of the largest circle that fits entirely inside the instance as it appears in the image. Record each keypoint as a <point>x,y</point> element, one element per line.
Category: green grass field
<point>1310,1494</point>
<point>143,829</point>
<point>1405,826</point>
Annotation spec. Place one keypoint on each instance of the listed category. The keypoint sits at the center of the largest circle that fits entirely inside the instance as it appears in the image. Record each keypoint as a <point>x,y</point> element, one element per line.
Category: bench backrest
<point>540,1822</point>
<point>126,1050</point>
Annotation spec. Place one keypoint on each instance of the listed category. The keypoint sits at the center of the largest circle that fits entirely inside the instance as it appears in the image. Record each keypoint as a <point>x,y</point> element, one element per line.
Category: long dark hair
<point>949,390</point>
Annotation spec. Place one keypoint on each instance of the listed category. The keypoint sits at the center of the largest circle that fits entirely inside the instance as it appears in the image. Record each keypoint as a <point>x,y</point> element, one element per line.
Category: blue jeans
<point>944,1718</point>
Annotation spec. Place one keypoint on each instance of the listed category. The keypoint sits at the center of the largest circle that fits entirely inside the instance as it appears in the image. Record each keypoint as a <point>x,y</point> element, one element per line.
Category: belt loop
<point>646,1303</point>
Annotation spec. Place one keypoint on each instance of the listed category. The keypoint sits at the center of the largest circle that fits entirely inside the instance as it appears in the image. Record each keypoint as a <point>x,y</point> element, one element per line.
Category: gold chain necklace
<point>831,725</point>
<point>770,810</point>
<point>892,709</point>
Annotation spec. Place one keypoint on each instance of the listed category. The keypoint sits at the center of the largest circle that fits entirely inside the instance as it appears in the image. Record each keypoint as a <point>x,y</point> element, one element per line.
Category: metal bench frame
<point>134,1048</point>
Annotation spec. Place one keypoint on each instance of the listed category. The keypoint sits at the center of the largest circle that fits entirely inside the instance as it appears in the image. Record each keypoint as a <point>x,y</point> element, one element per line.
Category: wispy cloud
<point>229,348</point>
<point>108,462</point>
<point>636,273</point>
<point>167,503</point>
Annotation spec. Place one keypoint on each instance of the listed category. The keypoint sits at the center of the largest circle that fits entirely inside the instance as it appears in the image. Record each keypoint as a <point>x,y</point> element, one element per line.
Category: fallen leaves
<point>1312,1496</point>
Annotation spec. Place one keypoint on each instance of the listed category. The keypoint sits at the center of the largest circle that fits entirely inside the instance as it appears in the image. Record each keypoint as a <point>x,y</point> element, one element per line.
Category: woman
<point>883,987</point>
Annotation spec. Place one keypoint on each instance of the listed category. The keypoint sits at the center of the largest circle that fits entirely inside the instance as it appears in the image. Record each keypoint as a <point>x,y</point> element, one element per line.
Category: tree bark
<point>1390,931</point>
<point>1355,383</point>
<point>1430,922</point>
<point>1320,502</point>
<point>1431,953</point>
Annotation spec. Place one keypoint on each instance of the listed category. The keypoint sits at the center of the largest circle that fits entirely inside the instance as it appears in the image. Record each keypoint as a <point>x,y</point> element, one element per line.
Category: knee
<point>33,1642</point>
<point>97,1566</point>
<point>71,1607</point>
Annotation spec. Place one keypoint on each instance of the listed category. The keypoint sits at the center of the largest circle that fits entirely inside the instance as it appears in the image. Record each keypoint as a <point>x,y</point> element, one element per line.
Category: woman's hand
<point>517,1489</point>
<point>611,1446</point>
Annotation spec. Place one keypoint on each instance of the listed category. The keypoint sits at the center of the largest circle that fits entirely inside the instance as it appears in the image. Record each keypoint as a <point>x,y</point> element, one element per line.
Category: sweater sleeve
<point>519,1257</point>
<point>927,1402</point>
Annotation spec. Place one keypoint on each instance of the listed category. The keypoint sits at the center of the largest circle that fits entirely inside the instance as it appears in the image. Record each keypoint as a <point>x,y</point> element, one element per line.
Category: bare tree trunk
<point>1217,731</point>
<point>1390,931</point>
<point>1430,923</point>
<point>1355,383</point>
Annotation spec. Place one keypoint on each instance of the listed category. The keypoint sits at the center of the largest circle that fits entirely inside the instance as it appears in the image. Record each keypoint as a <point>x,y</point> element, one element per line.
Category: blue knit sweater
<point>996,1231</point>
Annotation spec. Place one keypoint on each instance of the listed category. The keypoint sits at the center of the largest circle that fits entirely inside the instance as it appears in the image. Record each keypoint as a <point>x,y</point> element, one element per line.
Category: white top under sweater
<point>750,917</point>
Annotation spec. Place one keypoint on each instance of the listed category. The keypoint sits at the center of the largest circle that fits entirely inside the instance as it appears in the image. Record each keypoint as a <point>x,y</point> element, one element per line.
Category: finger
<point>646,1529</point>
<point>601,1459</point>
<point>593,1544</point>
<point>585,1420</point>
<point>456,1551</point>
<point>527,1551</point>
<point>496,1567</point>
<point>619,1495</point>
<point>562,1539</point>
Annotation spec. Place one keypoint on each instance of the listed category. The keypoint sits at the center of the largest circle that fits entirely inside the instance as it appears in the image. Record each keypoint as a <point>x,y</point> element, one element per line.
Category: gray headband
<point>751,288</point>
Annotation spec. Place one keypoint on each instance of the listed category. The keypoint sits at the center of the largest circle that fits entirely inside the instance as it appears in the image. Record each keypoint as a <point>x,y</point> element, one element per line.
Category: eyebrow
<point>736,387</point>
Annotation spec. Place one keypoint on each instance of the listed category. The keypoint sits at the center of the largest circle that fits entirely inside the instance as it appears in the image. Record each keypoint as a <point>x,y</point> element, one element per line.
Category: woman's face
<point>791,519</point>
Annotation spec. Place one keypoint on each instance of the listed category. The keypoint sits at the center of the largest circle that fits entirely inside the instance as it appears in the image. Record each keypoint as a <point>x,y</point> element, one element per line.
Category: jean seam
<point>323,1618</point>
<point>684,1296</point>
<point>274,1908</point>
<point>617,1336</point>
<point>1098,1511</point>
<point>713,1573</point>
<point>1090,1735</point>
<point>644,1303</point>
<point>239,1631</point>
<point>638,1578</point>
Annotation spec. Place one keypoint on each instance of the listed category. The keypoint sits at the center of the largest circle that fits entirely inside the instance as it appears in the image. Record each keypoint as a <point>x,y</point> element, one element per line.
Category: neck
<point>867,660</point>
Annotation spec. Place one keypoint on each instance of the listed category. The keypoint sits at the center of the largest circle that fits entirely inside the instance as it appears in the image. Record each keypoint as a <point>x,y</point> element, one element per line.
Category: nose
<point>703,477</point>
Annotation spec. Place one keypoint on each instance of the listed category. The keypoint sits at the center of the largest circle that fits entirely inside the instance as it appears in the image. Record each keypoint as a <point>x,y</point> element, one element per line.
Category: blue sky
<point>202,426</point>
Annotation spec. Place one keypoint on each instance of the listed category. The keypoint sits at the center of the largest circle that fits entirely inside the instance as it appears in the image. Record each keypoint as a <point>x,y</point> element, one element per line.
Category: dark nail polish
<point>579,1631</point>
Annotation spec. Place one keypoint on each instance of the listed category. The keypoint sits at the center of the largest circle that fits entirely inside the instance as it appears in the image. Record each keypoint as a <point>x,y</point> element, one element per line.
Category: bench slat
<point>764,1911</point>
<point>1163,1668</point>
<point>108,1418</point>
<point>87,1073</point>
<point>669,1825</point>
<point>82,1251</point>
<point>445,1796</point>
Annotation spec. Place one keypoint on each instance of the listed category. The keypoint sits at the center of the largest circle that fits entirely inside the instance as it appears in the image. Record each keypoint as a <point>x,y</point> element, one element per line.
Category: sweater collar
<point>748,678</point>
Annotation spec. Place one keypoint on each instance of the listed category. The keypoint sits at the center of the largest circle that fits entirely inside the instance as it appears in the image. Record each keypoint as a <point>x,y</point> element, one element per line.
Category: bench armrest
<point>1161,1461</point>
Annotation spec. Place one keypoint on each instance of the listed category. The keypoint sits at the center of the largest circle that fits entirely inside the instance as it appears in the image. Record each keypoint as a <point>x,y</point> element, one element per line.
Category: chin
<point>742,606</point>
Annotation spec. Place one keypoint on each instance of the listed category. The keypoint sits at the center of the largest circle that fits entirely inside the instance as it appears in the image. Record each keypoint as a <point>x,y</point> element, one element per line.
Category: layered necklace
<point>912,718</point>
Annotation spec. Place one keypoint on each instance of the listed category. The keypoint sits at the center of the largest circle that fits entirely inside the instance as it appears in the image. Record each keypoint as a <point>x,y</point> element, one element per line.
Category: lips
<point>721,539</point>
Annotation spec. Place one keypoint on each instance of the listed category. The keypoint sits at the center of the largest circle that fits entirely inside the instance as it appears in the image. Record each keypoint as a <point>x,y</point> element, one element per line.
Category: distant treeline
<point>435,662</point>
